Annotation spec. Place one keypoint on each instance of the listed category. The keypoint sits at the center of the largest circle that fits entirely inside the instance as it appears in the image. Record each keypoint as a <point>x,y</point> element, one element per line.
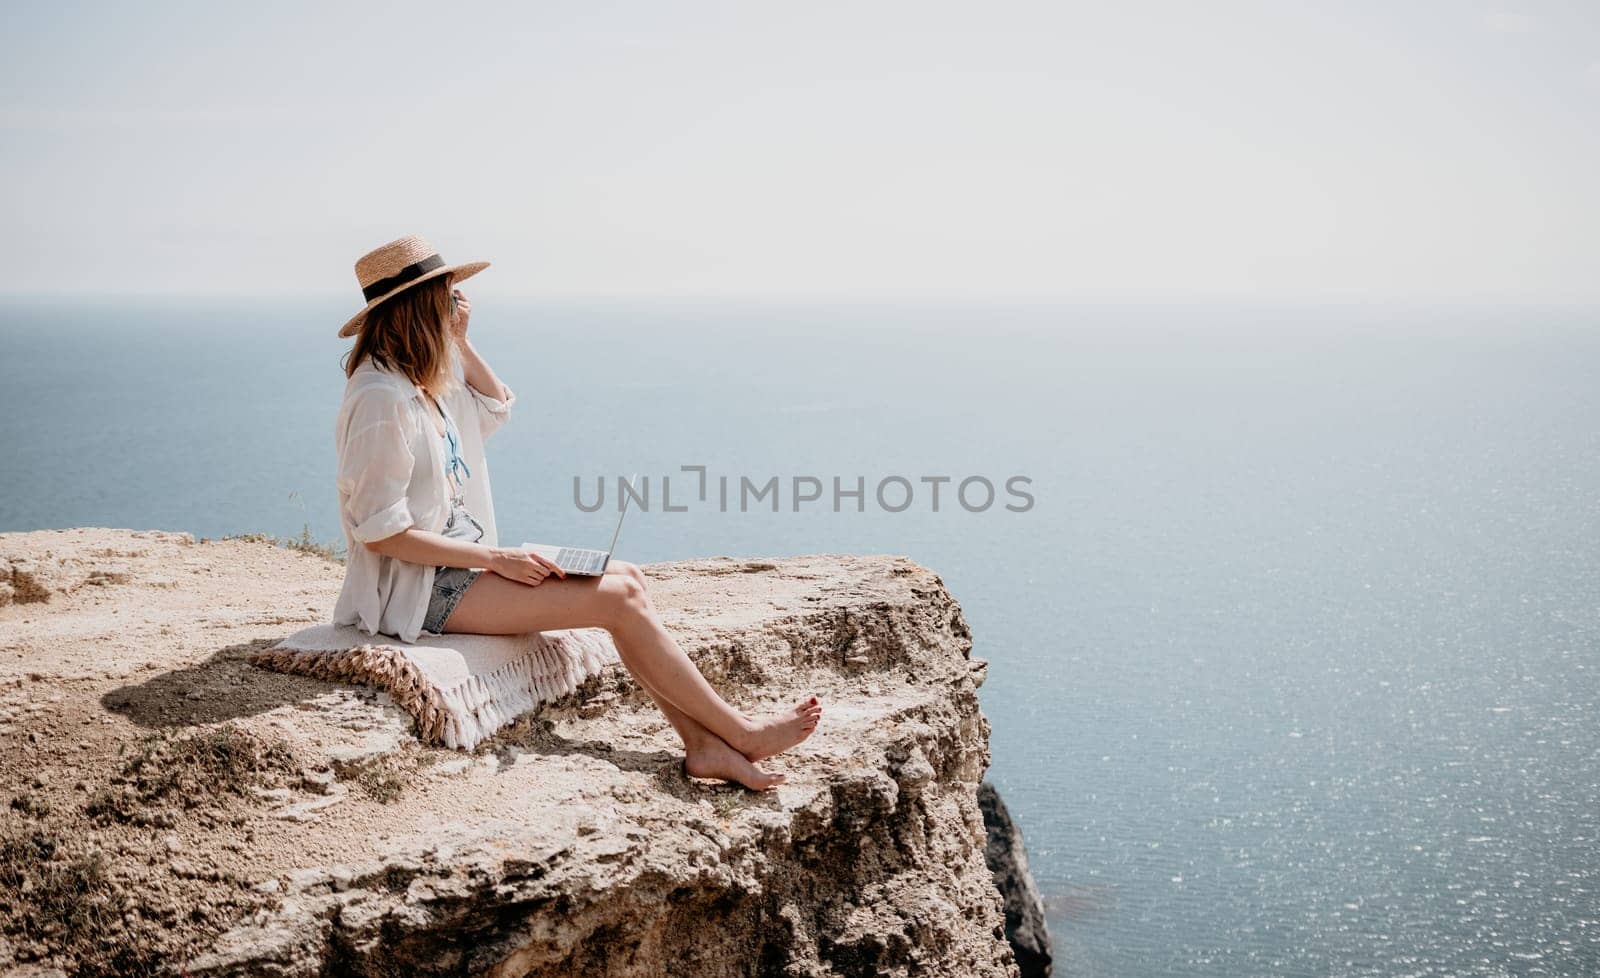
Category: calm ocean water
<point>1294,660</point>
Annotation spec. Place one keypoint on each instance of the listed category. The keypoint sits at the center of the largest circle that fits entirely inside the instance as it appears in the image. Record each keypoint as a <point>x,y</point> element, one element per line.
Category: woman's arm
<point>488,398</point>
<point>476,369</point>
<point>425,547</point>
<point>478,374</point>
<point>376,463</point>
<point>420,546</point>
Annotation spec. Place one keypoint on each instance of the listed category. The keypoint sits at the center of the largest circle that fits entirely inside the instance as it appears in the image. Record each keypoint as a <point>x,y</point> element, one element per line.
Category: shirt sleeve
<point>492,412</point>
<point>375,465</point>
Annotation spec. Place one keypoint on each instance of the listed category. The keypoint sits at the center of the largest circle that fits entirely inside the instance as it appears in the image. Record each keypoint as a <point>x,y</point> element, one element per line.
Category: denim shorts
<point>450,583</point>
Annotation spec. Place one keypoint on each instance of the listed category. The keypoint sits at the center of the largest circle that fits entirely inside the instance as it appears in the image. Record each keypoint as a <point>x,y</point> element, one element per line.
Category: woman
<point>419,519</point>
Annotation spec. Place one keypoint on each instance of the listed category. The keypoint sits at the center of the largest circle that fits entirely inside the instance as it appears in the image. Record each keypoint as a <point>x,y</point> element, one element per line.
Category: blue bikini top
<point>452,451</point>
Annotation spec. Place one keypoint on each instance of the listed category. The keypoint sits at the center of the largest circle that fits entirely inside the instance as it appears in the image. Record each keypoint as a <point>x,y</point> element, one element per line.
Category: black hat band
<point>410,273</point>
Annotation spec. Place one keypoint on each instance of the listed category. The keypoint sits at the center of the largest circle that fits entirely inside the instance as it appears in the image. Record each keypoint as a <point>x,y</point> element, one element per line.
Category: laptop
<point>580,562</point>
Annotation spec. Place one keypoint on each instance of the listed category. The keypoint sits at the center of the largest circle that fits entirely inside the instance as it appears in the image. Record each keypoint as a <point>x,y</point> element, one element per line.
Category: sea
<point>1292,609</point>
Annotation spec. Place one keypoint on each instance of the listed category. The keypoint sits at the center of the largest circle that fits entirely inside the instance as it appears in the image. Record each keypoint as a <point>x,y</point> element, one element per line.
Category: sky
<point>1400,149</point>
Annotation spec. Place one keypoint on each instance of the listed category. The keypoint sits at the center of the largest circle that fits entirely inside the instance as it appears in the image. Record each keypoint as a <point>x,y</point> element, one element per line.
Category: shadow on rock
<point>222,687</point>
<point>535,736</point>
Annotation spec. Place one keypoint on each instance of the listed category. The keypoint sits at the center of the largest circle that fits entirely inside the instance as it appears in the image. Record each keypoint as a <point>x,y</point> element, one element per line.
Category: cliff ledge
<point>174,809</point>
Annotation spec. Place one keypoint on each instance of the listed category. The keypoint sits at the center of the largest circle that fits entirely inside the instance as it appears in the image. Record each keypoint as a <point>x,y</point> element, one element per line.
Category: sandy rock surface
<point>171,806</point>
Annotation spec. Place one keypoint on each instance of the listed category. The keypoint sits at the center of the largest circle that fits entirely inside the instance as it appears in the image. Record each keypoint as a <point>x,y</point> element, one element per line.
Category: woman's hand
<point>522,566</point>
<point>458,323</point>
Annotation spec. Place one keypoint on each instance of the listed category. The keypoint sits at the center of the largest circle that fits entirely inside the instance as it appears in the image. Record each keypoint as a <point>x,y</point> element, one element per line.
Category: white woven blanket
<point>461,688</point>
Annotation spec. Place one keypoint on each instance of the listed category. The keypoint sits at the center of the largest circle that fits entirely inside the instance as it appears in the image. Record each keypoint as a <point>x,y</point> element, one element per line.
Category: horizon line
<point>957,298</point>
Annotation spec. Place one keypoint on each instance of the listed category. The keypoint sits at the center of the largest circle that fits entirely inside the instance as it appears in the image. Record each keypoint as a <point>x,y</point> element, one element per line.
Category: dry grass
<point>382,785</point>
<point>725,804</point>
<point>304,543</point>
<point>68,892</point>
<point>62,896</point>
<point>190,771</point>
<point>32,806</point>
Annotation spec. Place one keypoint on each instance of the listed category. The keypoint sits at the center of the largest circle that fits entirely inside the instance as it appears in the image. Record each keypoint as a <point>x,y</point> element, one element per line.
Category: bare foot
<point>715,759</point>
<point>781,731</point>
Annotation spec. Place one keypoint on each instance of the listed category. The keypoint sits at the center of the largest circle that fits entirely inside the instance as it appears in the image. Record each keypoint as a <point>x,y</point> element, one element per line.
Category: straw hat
<point>397,266</point>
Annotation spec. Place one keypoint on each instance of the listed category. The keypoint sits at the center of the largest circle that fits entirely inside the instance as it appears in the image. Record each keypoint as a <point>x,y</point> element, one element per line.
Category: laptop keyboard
<point>577,561</point>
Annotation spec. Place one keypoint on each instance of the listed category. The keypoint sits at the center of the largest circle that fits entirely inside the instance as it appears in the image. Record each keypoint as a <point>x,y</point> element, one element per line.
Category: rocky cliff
<point>173,809</point>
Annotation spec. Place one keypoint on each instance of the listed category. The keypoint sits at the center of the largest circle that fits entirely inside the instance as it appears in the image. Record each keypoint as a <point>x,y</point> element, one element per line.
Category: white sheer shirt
<point>391,476</point>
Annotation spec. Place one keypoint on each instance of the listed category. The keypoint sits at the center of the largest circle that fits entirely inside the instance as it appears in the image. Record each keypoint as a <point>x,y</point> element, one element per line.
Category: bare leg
<point>690,731</point>
<point>705,754</point>
<point>494,605</point>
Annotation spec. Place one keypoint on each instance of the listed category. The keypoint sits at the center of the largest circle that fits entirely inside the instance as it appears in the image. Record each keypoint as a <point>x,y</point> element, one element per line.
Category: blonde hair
<point>409,333</point>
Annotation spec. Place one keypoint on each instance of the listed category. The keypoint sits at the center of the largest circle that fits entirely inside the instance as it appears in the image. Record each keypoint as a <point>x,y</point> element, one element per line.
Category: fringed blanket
<point>461,688</point>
